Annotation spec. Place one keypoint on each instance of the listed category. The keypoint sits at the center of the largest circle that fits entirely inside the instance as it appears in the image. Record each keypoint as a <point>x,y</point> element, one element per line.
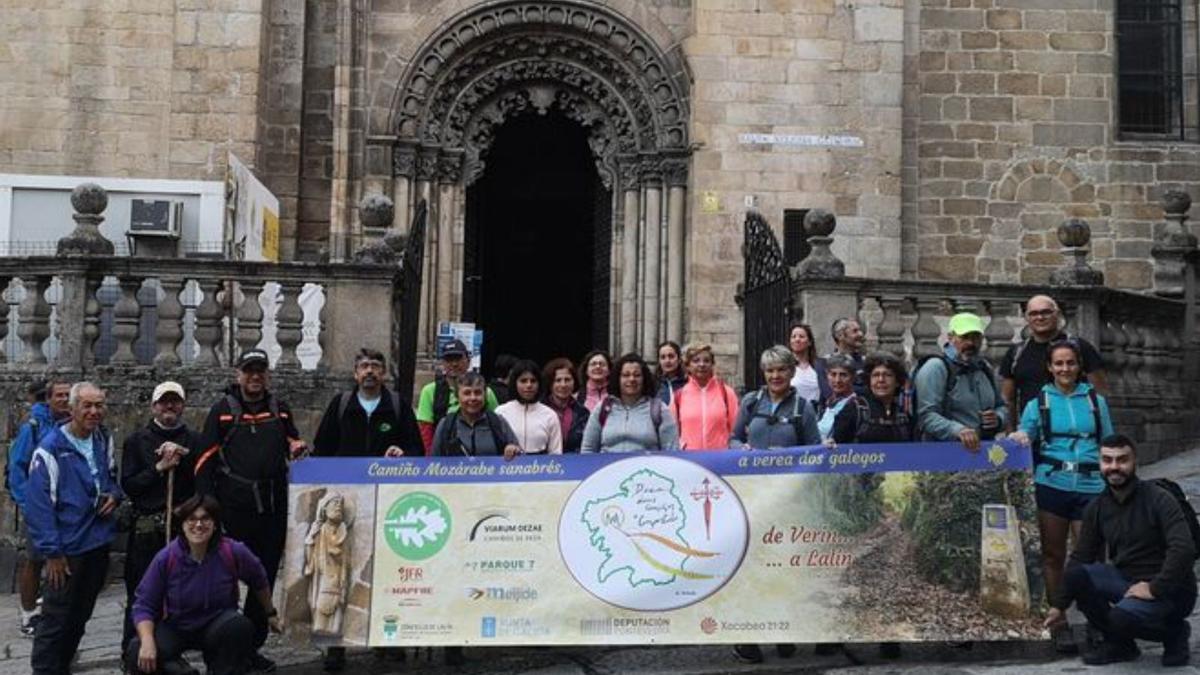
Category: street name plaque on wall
<point>804,140</point>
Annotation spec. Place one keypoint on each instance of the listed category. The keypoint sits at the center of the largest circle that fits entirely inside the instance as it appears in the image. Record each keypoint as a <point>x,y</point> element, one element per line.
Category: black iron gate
<point>766,295</point>
<point>406,315</point>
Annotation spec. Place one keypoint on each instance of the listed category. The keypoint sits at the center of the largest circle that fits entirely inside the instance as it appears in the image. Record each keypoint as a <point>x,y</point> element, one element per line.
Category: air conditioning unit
<point>155,218</point>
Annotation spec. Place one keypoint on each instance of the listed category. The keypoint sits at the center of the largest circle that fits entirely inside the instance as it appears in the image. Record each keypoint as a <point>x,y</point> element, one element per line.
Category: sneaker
<point>889,650</point>
<point>785,651</point>
<point>1064,640</point>
<point>335,660</point>
<point>1112,652</point>
<point>748,653</point>
<point>826,648</point>
<point>454,656</point>
<point>261,664</point>
<point>1176,650</point>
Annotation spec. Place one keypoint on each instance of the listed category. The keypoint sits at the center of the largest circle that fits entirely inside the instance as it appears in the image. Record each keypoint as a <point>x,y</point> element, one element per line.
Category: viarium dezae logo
<point>417,526</point>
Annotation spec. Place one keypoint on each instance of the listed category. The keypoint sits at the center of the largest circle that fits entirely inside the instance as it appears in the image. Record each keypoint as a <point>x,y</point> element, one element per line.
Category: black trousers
<point>139,553</point>
<point>65,613</point>
<point>264,535</point>
<point>226,642</point>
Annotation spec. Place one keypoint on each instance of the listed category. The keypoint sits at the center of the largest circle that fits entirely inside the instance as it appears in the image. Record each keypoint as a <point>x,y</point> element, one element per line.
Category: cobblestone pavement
<point>99,650</point>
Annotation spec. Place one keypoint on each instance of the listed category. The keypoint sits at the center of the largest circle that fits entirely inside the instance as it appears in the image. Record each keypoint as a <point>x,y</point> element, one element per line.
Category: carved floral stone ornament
<point>500,61</point>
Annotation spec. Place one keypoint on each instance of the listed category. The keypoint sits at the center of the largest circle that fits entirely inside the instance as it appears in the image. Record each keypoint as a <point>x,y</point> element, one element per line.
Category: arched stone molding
<point>494,62</point>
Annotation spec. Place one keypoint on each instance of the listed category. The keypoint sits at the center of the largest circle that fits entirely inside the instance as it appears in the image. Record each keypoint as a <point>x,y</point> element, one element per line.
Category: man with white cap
<point>957,395</point>
<point>157,471</point>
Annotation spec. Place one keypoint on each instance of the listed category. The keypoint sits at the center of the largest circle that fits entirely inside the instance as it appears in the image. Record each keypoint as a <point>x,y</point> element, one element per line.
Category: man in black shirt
<point>1023,369</point>
<point>249,437</point>
<point>367,421</point>
<point>159,454</point>
<point>1148,588</point>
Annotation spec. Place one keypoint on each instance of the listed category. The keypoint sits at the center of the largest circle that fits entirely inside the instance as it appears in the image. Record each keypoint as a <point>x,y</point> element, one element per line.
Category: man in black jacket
<point>369,420</point>
<point>1148,587</point>
<point>160,454</point>
<point>249,437</point>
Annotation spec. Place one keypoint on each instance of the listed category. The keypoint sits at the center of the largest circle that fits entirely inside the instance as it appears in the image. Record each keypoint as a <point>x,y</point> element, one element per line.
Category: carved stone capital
<point>675,171</point>
<point>404,161</point>
<point>427,164</point>
<point>449,167</point>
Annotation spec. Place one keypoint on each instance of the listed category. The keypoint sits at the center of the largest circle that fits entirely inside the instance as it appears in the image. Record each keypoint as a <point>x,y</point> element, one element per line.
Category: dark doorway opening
<point>536,255</point>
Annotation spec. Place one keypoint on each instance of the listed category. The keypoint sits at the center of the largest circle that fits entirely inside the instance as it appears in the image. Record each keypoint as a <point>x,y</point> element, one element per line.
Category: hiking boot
<point>748,653</point>
<point>826,648</point>
<point>1112,652</point>
<point>889,650</point>
<point>1064,640</point>
<point>335,660</point>
<point>261,664</point>
<point>785,651</point>
<point>1176,650</point>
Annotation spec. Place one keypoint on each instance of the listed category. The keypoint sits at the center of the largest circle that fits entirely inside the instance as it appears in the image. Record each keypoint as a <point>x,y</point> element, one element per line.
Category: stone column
<point>676,201</point>
<point>426,173</point>
<point>343,92</point>
<point>629,259</point>
<point>404,164</point>
<point>651,254</point>
<point>449,174</point>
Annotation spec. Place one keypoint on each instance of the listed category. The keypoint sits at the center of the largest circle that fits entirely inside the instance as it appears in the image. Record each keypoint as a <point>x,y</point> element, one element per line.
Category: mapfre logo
<point>708,625</point>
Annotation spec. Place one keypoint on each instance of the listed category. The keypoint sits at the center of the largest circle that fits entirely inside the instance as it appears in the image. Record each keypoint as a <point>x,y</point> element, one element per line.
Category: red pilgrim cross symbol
<point>709,493</point>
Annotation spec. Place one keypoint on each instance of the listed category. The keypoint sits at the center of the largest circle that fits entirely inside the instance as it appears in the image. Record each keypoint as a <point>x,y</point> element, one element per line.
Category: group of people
<point>228,482</point>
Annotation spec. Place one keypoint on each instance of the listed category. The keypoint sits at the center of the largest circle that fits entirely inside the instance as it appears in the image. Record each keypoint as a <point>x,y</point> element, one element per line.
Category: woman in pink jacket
<point>705,407</point>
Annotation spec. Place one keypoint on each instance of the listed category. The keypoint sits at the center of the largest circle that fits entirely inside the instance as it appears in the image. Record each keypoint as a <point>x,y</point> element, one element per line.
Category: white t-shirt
<point>805,382</point>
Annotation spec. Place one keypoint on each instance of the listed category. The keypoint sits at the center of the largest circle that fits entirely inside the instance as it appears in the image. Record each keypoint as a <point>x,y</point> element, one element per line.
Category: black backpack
<point>1044,416</point>
<point>1189,513</point>
<point>865,421</point>
<point>449,429</point>
<point>796,420</point>
<point>951,380</point>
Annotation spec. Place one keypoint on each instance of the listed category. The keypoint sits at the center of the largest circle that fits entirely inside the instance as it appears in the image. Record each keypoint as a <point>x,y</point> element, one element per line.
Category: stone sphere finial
<point>1074,233</point>
<point>376,211</point>
<point>89,199</point>
<point>819,223</point>
<point>1176,202</point>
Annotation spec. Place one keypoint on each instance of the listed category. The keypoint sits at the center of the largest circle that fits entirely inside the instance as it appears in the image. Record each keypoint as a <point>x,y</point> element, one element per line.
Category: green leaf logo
<point>417,526</point>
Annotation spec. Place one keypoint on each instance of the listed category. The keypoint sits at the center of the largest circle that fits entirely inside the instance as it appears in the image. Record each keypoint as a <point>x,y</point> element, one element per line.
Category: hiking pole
<point>170,500</point>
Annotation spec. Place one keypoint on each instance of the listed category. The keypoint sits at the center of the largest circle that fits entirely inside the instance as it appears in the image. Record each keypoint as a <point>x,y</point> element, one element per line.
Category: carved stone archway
<point>500,61</point>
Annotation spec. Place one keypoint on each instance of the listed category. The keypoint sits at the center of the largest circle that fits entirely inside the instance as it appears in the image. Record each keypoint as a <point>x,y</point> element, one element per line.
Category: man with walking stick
<point>157,472</point>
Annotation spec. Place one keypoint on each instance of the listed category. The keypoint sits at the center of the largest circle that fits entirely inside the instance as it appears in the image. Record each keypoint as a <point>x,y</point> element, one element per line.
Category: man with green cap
<point>957,395</point>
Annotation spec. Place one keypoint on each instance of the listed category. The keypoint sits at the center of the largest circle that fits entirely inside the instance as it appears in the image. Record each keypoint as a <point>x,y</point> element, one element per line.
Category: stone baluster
<point>249,316</point>
<point>4,309</point>
<point>126,313</point>
<point>1116,361</point>
<point>925,329</point>
<point>1171,358</point>
<point>290,322</point>
<point>324,335</point>
<point>1137,361</point>
<point>999,332</point>
<point>208,323</point>
<point>168,333</point>
<point>891,327</point>
<point>34,313</point>
<point>91,319</point>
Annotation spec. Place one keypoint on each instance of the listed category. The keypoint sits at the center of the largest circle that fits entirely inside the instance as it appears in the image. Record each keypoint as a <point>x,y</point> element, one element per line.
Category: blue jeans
<point>1099,591</point>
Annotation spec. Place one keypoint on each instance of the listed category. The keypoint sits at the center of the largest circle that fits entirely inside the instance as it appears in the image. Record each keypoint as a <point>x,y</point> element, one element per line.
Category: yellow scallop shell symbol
<point>997,455</point>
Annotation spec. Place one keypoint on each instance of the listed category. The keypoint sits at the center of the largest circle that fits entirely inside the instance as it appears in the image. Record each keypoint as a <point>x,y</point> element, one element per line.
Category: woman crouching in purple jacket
<point>189,596</point>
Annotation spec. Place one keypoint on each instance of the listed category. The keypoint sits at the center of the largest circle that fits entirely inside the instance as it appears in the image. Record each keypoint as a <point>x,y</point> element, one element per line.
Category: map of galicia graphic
<point>647,509</point>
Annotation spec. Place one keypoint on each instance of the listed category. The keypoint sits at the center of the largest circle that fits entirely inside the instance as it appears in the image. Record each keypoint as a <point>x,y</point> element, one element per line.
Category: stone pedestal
<point>821,263</point>
<point>89,200</point>
<point>1173,251</point>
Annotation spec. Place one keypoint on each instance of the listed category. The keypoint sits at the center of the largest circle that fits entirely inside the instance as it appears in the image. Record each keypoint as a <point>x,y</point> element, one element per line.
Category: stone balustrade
<point>1141,337</point>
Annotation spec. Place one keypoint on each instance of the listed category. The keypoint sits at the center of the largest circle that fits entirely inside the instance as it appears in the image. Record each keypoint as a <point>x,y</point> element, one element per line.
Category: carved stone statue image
<point>327,563</point>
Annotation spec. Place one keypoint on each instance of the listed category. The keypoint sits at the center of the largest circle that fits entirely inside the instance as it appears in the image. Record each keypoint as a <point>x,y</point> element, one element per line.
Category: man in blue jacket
<point>49,408</point>
<point>70,500</point>
<point>957,395</point>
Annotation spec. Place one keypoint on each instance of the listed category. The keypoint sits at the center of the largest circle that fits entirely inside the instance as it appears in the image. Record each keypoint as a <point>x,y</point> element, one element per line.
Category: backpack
<point>35,428</point>
<point>493,421</point>
<point>441,398</point>
<point>951,380</point>
<point>656,414</point>
<point>797,418</point>
<point>224,550</point>
<point>347,396</point>
<point>1189,513</point>
<point>865,421</point>
<point>1044,415</point>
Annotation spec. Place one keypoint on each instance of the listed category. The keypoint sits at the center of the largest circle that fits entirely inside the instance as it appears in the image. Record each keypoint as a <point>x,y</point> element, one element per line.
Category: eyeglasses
<point>197,521</point>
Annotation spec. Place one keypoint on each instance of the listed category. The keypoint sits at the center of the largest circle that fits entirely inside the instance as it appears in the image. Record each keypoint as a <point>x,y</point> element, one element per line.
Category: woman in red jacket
<point>705,407</point>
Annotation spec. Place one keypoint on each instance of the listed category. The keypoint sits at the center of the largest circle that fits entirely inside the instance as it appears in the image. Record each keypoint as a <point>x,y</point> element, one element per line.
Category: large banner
<point>863,543</point>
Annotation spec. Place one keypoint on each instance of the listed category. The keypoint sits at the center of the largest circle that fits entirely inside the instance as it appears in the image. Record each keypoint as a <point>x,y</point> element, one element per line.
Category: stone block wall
<point>1011,114</point>
<point>791,67</point>
<point>143,88</point>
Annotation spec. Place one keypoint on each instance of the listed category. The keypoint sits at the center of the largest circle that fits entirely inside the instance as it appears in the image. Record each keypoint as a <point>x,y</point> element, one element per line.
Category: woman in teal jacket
<point>1064,425</point>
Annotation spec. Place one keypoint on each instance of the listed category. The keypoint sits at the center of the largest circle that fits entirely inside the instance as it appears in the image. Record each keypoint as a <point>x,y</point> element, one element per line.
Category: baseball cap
<point>165,388</point>
<point>253,356</point>
<point>964,324</point>
<point>455,349</point>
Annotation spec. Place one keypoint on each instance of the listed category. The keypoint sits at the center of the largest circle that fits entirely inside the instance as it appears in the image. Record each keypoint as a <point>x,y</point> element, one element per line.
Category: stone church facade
<point>949,137</point>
